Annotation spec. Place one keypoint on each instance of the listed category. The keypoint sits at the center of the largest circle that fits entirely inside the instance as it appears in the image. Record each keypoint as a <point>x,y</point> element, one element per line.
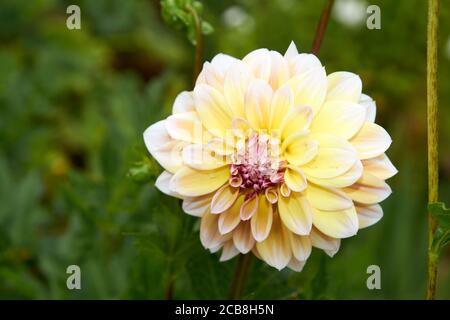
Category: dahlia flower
<point>274,156</point>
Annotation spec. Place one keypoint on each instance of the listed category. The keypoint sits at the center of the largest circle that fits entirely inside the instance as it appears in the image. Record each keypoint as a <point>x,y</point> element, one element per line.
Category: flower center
<point>256,165</point>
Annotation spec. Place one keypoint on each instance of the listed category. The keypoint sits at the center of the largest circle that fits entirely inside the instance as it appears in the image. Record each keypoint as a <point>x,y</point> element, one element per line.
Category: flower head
<point>275,156</point>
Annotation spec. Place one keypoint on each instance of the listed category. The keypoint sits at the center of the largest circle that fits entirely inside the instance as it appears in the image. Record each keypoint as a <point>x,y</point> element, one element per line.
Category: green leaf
<point>144,170</point>
<point>442,234</point>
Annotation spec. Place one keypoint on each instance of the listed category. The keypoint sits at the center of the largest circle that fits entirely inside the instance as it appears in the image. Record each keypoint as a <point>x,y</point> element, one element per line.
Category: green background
<point>74,105</point>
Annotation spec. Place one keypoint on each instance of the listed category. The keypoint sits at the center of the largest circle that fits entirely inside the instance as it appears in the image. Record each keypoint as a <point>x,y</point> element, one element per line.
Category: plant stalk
<point>321,27</point>
<point>240,276</point>
<point>198,42</point>
<point>433,143</point>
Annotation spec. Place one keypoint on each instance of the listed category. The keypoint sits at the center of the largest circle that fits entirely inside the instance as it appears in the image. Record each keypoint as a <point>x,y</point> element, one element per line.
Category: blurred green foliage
<point>74,105</point>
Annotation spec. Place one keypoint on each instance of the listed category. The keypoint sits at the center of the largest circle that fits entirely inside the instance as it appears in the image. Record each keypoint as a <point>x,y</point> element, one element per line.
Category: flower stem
<point>432,116</point>
<point>240,276</point>
<point>321,27</point>
<point>198,41</point>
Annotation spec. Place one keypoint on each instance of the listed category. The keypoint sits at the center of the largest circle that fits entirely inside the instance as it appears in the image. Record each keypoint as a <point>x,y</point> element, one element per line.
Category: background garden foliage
<point>74,105</point>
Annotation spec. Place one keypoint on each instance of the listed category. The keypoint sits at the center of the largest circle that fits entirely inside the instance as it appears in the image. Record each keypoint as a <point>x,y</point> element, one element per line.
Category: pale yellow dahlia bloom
<point>274,156</point>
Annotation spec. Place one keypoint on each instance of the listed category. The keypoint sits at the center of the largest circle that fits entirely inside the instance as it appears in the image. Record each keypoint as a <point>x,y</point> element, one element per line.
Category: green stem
<point>433,143</point>
<point>240,276</point>
<point>321,27</point>
<point>198,41</point>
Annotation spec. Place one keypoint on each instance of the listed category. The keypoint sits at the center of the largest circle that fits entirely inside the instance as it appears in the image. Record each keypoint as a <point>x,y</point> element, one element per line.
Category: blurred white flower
<point>234,16</point>
<point>350,12</point>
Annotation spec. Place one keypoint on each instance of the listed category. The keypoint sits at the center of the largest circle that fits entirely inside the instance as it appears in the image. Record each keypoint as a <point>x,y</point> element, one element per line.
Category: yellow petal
<point>344,86</point>
<point>229,251</point>
<point>257,104</point>
<point>249,207</point>
<point>295,212</point>
<point>187,127</point>
<point>275,249</point>
<point>371,141</point>
<point>297,120</point>
<point>300,149</point>
<point>212,109</point>
<point>336,224</point>
<point>163,148</point>
<point>279,70</point>
<point>237,80</point>
<point>335,156</point>
<point>344,180</point>
<point>282,102</point>
<point>197,206</point>
<point>224,198</point>
<point>327,199</point>
<point>310,88</point>
<point>199,157</point>
<point>262,220</point>
<point>301,246</point>
<point>184,102</point>
<point>322,241</point>
<point>368,215</point>
<point>296,265</point>
<point>340,118</point>
<point>242,237</point>
<point>295,179</point>
<point>229,219</point>
<point>368,190</point>
<point>210,236</point>
<point>380,167</point>
<point>163,184</point>
<point>190,182</point>
<point>213,73</point>
<point>259,63</point>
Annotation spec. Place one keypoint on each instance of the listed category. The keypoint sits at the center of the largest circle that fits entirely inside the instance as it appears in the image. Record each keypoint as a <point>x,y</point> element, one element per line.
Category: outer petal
<point>327,199</point>
<point>184,102</point>
<point>336,224</point>
<point>296,265</point>
<point>370,106</point>
<point>199,157</point>
<point>335,156</point>
<point>368,215</point>
<point>242,237</point>
<point>229,251</point>
<point>371,141</point>
<point>322,241</point>
<point>224,198</point>
<point>302,63</point>
<point>162,147</point>
<point>301,246</point>
<point>340,118</point>
<point>230,219</point>
<point>191,183</point>
<point>276,250</point>
<point>237,80</point>
<point>310,88</point>
<point>213,73</point>
<point>163,182</point>
<point>279,70</point>
<point>344,86</point>
<point>380,167</point>
<point>210,236</point>
<point>257,103</point>
<point>259,62</point>
<point>368,190</point>
<point>344,180</point>
<point>295,213</point>
<point>197,206</point>
<point>212,109</point>
<point>291,51</point>
<point>187,127</point>
<point>262,221</point>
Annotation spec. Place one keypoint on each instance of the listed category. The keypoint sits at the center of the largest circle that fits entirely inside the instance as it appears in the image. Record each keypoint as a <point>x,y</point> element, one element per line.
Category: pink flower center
<point>256,165</point>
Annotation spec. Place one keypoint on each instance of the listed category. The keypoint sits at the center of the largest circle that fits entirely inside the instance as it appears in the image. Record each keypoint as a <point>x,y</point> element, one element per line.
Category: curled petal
<point>210,236</point>
<point>368,190</point>
<point>380,167</point>
<point>229,251</point>
<point>163,184</point>
<point>224,199</point>
<point>249,207</point>
<point>295,178</point>
<point>242,237</point>
<point>262,220</point>
<point>197,206</point>
<point>230,219</point>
